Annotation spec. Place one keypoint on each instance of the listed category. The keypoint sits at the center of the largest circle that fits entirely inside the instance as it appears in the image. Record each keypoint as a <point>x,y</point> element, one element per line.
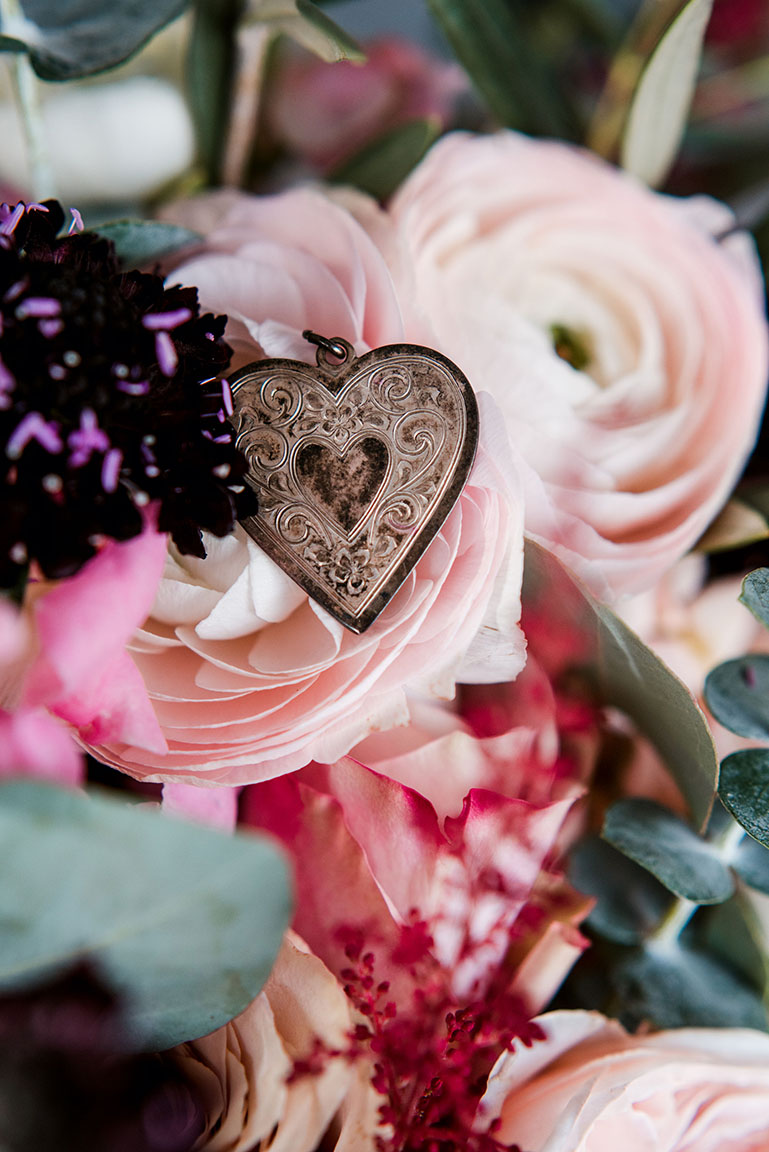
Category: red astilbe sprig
<point>432,1057</point>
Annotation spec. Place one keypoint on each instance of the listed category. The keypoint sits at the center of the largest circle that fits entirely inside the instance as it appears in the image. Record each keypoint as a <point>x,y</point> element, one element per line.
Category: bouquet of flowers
<point>384,638</point>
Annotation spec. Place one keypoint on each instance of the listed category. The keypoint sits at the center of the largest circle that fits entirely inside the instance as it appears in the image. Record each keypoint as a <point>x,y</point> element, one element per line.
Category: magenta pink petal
<point>215,806</point>
<point>85,621</point>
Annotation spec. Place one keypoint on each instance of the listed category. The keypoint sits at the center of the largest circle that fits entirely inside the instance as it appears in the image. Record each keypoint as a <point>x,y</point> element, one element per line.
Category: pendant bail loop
<point>338,349</point>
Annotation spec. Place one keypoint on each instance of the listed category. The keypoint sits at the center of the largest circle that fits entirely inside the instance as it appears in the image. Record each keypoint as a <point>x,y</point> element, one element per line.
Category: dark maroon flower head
<point>110,402</point>
<point>66,1083</point>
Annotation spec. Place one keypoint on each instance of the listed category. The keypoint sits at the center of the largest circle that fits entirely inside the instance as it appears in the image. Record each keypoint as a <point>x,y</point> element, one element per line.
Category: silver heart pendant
<point>356,463</point>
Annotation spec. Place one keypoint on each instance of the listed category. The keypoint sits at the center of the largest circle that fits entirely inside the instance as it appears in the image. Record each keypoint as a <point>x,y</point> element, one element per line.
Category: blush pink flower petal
<point>591,1087</point>
<point>523,250</point>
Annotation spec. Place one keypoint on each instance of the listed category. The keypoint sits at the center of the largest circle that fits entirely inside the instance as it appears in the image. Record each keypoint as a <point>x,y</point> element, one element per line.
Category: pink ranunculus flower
<point>324,113</point>
<point>621,332</point>
<point>247,1073</point>
<point>249,678</point>
<point>590,1086</point>
<point>63,658</point>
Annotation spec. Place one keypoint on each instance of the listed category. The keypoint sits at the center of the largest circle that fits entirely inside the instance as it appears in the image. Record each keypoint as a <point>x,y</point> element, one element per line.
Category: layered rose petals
<point>622,333</point>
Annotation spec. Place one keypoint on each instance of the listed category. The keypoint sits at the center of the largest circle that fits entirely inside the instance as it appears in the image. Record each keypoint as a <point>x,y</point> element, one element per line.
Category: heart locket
<point>356,462</point>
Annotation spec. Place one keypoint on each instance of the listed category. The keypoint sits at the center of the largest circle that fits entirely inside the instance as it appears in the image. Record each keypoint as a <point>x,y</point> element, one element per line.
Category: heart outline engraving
<point>412,401</point>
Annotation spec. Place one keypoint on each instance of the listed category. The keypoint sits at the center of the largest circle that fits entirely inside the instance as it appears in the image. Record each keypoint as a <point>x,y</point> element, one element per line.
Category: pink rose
<point>590,1085</point>
<point>326,112</point>
<point>625,343</point>
<point>248,677</point>
<point>243,1071</point>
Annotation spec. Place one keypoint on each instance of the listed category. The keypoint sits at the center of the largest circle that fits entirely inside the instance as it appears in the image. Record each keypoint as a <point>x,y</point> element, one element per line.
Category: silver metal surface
<point>356,463</point>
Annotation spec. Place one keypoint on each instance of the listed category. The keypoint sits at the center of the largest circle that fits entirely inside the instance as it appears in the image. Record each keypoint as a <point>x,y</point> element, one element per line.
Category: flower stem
<point>665,936</point>
<point>30,108</point>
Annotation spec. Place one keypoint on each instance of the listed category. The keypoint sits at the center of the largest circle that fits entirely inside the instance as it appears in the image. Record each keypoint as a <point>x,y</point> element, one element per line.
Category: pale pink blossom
<point>243,1071</point>
<point>621,332</point>
<point>324,113</point>
<point>248,677</point>
<point>591,1087</point>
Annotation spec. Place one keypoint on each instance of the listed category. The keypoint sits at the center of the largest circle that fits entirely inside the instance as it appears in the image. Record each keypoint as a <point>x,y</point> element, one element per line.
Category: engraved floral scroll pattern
<point>408,407</point>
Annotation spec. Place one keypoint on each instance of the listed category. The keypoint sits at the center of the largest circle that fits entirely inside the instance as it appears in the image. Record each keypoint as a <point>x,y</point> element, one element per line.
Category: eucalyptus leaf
<point>210,68</point>
<point>140,241</point>
<point>383,164</point>
<point>680,987</point>
<point>629,902</point>
<point>731,932</point>
<point>744,790</point>
<point>625,673</point>
<point>660,107</point>
<point>488,39</point>
<point>755,594</point>
<point>70,38</point>
<point>737,693</point>
<point>751,863</point>
<point>304,22</point>
<point>185,921</point>
<point>667,847</point>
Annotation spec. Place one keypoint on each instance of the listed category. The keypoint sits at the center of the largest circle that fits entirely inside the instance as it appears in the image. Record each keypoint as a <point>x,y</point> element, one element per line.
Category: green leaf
<point>185,921</point>
<point>737,693</point>
<point>629,902</point>
<point>744,790</point>
<point>730,932</point>
<point>680,987</point>
<point>10,44</point>
<point>304,22</point>
<point>70,38</point>
<point>324,36</point>
<point>625,673</point>
<point>140,241</point>
<point>660,107</point>
<point>488,39</point>
<point>662,843</point>
<point>736,525</point>
<point>755,594</point>
<point>751,863</point>
<point>385,163</point>
<point>210,68</point>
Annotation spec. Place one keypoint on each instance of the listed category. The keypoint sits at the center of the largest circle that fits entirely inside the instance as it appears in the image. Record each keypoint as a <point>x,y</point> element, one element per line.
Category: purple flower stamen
<point>15,290</point>
<point>133,387</point>
<point>86,439</point>
<point>33,427</point>
<point>9,223</point>
<point>163,321</point>
<point>227,397</point>
<point>77,222</point>
<point>166,353</point>
<point>50,328</point>
<point>38,306</point>
<point>110,469</point>
<point>7,384</point>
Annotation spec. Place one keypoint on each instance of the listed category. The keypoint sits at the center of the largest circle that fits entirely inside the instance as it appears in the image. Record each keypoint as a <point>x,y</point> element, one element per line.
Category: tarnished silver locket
<point>356,463</point>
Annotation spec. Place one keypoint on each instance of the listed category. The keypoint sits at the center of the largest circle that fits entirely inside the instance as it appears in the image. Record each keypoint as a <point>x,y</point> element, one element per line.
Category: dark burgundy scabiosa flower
<point>109,402</point>
<point>67,1084</point>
